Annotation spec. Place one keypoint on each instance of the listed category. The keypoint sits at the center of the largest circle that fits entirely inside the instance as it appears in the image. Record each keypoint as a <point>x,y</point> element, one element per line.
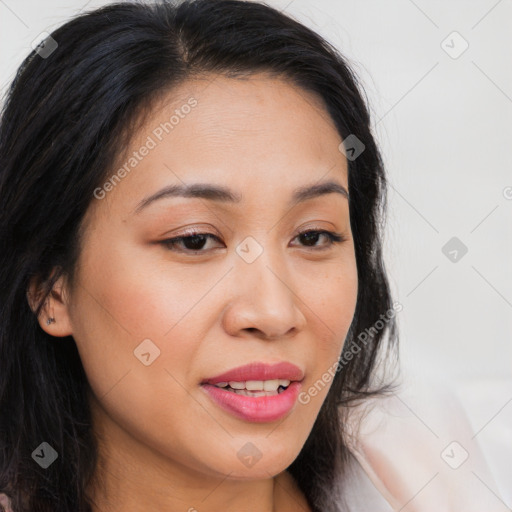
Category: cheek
<point>131,323</point>
<point>138,336</point>
<point>331,297</point>
<point>338,300</point>
<point>137,292</point>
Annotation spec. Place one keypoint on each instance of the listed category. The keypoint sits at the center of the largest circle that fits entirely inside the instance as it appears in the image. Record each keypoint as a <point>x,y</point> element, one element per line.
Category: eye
<point>195,242</point>
<point>310,238</point>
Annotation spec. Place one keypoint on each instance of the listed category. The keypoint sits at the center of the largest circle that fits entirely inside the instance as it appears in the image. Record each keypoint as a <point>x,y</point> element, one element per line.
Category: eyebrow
<point>223,194</point>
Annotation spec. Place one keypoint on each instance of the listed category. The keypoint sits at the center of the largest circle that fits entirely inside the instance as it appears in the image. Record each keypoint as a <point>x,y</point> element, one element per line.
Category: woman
<point>191,271</point>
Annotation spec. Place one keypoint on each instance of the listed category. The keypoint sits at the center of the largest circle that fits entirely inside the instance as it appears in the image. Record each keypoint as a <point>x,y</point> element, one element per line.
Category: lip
<point>258,409</point>
<point>259,371</point>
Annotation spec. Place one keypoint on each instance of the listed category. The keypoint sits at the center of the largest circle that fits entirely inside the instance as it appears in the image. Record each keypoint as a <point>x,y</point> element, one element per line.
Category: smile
<point>255,387</point>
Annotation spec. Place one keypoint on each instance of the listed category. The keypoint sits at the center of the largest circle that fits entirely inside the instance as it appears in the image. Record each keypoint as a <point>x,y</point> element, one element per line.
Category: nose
<point>263,301</point>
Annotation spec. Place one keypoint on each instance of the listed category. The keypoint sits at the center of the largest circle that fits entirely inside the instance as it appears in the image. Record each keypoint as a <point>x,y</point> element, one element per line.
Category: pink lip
<point>259,371</point>
<point>260,408</point>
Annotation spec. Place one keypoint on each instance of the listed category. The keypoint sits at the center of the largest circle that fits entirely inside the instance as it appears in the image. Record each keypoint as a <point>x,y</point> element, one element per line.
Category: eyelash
<point>171,243</point>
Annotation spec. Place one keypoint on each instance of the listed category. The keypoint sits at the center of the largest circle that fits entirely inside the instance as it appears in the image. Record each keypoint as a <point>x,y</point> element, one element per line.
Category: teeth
<point>269,385</point>
<point>256,385</point>
<point>244,392</point>
<point>237,385</point>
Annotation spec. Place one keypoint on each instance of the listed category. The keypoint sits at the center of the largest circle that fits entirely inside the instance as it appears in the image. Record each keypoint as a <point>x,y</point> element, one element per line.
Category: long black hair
<point>63,123</point>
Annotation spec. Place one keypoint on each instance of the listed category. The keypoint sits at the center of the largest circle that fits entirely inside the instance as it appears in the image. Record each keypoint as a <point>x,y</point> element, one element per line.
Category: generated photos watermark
<point>349,353</point>
<point>151,142</point>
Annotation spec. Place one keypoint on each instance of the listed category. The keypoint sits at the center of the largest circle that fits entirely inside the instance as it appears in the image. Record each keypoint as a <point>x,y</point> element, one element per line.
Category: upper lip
<point>259,371</point>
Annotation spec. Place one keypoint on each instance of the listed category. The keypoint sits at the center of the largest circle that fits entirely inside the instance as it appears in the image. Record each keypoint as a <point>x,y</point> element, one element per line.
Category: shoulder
<point>420,438</point>
<point>357,491</point>
<point>5,503</point>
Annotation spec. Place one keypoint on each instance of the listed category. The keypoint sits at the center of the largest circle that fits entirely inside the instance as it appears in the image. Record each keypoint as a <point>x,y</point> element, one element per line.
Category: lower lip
<point>259,408</point>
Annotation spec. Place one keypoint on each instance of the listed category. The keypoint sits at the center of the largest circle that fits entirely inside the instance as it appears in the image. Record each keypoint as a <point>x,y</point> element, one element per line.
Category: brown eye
<point>311,237</point>
<point>193,243</point>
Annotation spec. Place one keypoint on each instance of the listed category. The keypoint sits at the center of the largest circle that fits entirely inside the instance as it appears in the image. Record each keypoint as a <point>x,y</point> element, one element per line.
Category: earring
<point>50,320</point>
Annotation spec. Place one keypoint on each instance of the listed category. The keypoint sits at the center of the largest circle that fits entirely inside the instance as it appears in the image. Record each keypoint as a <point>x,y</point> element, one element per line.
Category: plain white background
<point>444,123</point>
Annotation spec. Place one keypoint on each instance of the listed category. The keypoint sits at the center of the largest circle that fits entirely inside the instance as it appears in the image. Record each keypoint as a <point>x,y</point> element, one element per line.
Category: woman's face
<point>154,320</point>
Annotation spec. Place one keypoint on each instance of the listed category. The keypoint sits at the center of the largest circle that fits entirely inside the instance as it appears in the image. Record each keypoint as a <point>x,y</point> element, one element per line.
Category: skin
<point>164,444</point>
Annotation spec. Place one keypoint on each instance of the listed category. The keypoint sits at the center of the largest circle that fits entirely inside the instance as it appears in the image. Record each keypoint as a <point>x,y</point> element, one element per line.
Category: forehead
<point>261,135</point>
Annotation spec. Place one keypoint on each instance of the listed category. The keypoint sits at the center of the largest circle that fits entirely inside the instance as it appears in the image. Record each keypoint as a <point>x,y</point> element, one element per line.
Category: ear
<point>56,307</point>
